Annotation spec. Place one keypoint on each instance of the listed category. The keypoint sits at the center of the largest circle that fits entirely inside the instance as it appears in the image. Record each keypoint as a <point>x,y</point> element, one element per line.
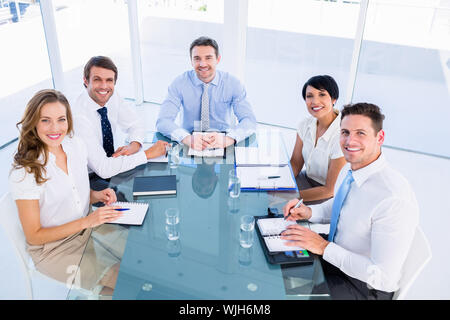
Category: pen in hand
<point>122,209</point>
<point>168,147</point>
<point>296,206</point>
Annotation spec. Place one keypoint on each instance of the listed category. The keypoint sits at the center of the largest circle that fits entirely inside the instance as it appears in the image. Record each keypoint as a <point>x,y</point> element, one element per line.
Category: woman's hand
<point>102,215</point>
<point>107,196</point>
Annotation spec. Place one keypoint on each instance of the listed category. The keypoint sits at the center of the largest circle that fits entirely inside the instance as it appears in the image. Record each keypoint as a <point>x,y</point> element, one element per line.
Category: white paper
<point>134,216</point>
<point>271,229</point>
<point>206,153</point>
<point>273,226</point>
<point>276,244</point>
<point>258,177</point>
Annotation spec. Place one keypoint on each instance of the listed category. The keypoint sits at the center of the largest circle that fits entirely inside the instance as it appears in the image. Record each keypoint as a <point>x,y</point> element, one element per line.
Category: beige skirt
<point>61,259</point>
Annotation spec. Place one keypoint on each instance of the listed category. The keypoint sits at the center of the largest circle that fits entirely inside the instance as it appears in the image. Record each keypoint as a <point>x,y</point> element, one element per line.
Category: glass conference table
<point>207,261</point>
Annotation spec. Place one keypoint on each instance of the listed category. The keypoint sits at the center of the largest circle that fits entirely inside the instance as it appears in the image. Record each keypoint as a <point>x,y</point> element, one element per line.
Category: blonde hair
<point>30,145</point>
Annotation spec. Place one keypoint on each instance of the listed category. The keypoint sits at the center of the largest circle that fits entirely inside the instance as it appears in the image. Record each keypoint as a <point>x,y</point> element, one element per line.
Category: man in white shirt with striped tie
<point>373,216</point>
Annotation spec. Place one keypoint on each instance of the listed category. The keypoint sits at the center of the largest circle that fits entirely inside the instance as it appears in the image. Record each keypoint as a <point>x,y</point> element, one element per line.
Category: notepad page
<point>276,244</point>
<point>206,153</point>
<point>134,216</point>
<point>216,152</point>
<point>273,226</point>
<point>257,177</point>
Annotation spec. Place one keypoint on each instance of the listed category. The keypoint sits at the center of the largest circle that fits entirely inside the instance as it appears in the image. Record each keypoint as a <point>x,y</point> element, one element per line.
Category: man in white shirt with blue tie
<point>98,112</point>
<point>373,216</point>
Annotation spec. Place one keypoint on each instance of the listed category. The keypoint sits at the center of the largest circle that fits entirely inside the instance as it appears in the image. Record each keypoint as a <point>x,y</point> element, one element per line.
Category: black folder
<point>154,185</point>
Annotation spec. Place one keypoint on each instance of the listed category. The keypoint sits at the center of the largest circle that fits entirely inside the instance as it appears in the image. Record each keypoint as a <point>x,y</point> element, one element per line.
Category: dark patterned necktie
<point>108,142</point>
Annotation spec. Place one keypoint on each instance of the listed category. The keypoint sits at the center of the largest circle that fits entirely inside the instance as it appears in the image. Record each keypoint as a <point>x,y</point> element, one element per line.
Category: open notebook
<point>266,177</point>
<point>270,230</point>
<point>134,216</point>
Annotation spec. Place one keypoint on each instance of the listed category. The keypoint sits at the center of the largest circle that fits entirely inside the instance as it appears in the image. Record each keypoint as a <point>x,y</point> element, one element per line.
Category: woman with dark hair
<point>317,145</point>
<point>49,182</point>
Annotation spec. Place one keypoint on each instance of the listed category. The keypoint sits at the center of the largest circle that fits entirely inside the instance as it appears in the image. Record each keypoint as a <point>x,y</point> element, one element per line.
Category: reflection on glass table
<point>205,260</point>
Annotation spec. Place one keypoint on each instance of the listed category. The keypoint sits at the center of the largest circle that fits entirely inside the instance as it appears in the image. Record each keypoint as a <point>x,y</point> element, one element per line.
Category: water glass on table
<point>172,223</point>
<point>247,230</point>
<point>234,184</point>
<point>174,156</point>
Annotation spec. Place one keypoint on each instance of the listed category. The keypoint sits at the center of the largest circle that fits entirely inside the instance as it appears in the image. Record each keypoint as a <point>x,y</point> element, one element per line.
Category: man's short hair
<point>101,62</point>
<point>322,82</point>
<point>365,109</point>
<point>204,41</point>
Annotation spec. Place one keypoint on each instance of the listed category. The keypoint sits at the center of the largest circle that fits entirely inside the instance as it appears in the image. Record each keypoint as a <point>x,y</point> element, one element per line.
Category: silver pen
<point>299,203</point>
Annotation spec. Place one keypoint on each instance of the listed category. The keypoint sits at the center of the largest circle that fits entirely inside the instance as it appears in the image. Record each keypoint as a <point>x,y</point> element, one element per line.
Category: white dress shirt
<point>317,157</point>
<point>64,197</point>
<point>376,225</point>
<point>87,125</point>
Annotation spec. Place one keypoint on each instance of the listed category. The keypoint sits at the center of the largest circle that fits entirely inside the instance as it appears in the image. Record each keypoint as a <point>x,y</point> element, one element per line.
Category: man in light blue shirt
<point>224,96</point>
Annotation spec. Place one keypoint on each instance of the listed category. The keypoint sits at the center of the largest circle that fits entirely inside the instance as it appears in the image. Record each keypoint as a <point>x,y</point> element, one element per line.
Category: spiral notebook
<point>271,229</point>
<point>134,216</point>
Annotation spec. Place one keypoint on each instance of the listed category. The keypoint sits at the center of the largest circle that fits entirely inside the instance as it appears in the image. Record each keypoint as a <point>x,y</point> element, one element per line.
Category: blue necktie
<point>338,203</point>
<point>108,142</point>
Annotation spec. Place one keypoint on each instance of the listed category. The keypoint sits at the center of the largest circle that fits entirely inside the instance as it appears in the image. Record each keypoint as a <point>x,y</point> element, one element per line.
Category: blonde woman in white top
<point>49,182</point>
<point>317,145</point>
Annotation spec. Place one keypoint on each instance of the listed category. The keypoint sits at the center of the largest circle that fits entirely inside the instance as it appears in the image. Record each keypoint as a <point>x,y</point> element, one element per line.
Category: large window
<point>167,29</point>
<point>89,28</point>
<point>404,68</point>
<point>289,41</point>
<point>24,63</point>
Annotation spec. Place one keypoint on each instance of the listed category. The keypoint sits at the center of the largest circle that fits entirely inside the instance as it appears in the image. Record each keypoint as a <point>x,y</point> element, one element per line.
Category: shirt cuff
<point>179,134</point>
<point>334,254</point>
<point>239,134</point>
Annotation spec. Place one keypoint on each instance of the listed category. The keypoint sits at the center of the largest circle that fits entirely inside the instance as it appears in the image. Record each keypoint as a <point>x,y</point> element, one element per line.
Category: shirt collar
<point>333,126</point>
<point>198,82</point>
<point>361,175</point>
<point>92,104</point>
<point>66,147</point>
<point>331,129</point>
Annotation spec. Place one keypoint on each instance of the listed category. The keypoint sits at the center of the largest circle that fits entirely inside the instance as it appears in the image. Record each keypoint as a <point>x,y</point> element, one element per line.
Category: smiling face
<point>319,102</point>
<point>360,143</point>
<point>204,61</point>
<point>52,125</point>
<point>100,84</point>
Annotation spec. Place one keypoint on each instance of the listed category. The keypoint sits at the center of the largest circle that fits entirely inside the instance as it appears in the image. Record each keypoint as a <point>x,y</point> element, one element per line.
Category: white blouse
<point>317,158</point>
<point>64,197</point>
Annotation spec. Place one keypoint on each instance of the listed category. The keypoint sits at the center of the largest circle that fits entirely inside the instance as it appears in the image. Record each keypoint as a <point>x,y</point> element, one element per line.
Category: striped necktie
<point>108,142</point>
<point>204,120</point>
<point>338,203</point>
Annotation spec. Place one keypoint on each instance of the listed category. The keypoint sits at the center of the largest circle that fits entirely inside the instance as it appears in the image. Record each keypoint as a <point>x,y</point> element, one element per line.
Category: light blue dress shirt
<point>226,96</point>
